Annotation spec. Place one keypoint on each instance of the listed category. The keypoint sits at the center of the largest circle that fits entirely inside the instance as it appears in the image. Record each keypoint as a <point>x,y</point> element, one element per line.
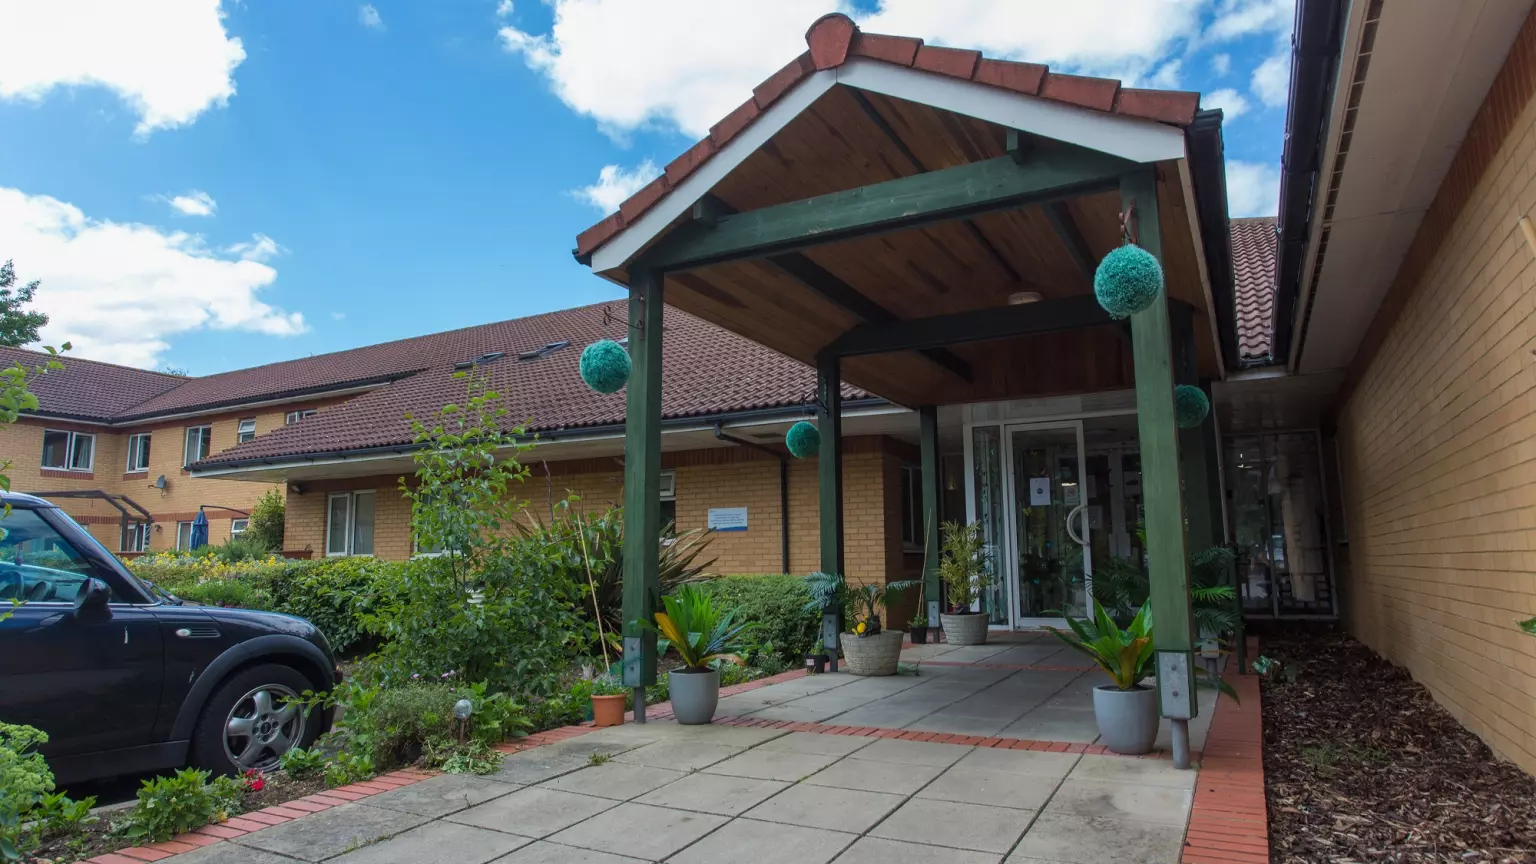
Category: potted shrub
<point>963,567</point>
<point>703,636</point>
<point>608,699</point>
<point>918,629</point>
<point>1125,708</point>
<point>868,649</point>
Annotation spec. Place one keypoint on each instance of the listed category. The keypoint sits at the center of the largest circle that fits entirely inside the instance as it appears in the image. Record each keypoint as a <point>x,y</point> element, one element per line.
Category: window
<point>183,536</point>
<point>295,416</point>
<point>237,527</point>
<point>138,537</point>
<point>199,444</point>
<point>43,567</point>
<point>138,452</point>
<point>247,430</point>
<point>349,523</point>
<point>912,507</point>
<point>68,451</point>
<point>668,499</point>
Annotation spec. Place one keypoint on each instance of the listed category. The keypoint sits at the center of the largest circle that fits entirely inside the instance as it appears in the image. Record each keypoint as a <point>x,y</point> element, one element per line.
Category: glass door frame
<point>1016,618</point>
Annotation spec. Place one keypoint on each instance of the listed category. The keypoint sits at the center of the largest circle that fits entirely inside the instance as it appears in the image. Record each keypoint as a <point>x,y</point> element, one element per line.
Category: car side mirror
<point>93,597</point>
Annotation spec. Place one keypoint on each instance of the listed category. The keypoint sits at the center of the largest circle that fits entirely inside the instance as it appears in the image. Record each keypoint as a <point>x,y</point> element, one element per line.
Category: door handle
<point>1072,523</point>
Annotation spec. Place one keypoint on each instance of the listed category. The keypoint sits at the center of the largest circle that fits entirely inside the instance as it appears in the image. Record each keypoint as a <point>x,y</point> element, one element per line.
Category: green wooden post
<point>1201,509</point>
<point>829,422</point>
<point>928,435</point>
<point>1152,348</point>
<point>642,482</point>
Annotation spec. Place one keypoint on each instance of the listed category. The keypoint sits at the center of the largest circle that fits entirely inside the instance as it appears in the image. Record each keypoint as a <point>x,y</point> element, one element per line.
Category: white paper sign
<point>1070,492</point>
<point>727,518</point>
<point>1039,491</point>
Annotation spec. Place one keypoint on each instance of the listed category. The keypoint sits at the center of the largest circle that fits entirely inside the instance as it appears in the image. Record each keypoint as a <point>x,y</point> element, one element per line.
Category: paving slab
<point>1119,769</point>
<point>640,830</point>
<point>710,733</point>
<point>533,812</point>
<point>1164,805</point>
<point>884,715</point>
<point>437,843</point>
<point>952,724</point>
<point>329,833</point>
<point>875,850</point>
<point>583,746</point>
<point>997,788</point>
<point>230,853</point>
<point>617,780</point>
<point>959,826</point>
<point>679,754</point>
<point>796,712</point>
<point>1076,840</point>
<point>536,766</point>
<point>915,752</point>
<point>1020,761</point>
<point>825,807</point>
<point>773,765</point>
<point>815,742</point>
<point>444,794</point>
<point>765,843</point>
<point>714,793</point>
<point>900,778</point>
<point>1045,724</point>
<point>544,852</point>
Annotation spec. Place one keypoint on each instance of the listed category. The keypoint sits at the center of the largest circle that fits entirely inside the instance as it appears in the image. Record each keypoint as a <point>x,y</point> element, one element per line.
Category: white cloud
<point>690,76</point>
<point>120,291</point>
<point>614,184</point>
<point>504,9</point>
<point>338,316</point>
<point>1272,80</point>
<point>169,60</point>
<point>369,17</point>
<point>193,203</point>
<point>1238,18</point>
<point>1253,189</point>
<point>260,248</point>
<point>1221,64</point>
<point>1232,103</point>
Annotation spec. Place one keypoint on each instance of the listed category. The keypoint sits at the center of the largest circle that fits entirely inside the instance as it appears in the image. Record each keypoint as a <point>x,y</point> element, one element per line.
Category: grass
<point>599,759</point>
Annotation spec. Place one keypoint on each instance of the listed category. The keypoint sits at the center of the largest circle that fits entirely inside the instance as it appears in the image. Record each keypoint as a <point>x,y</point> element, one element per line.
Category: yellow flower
<point>860,627</point>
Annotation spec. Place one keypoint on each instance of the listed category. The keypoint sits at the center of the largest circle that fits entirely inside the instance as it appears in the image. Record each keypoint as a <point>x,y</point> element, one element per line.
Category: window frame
<point>912,479</point>
<point>134,440</point>
<point>293,417</point>
<point>179,546</point>
<point>186,443</point>
<point>350,536</point>
<point>246,526</point>
<point>242,434</point>
<point>70,443</point>
<point>142,531</point>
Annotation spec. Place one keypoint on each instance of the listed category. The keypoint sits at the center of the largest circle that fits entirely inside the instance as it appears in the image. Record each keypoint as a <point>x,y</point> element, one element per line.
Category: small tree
<point>267,521</point>
<point>16,397</point>
<point>17,327</point>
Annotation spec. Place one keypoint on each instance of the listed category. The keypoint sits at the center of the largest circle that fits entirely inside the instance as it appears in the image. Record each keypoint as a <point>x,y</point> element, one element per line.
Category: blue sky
<point>211,186</point>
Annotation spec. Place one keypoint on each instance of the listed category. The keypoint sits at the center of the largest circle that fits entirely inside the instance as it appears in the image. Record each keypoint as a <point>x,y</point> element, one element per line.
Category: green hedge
<point>776,602</point>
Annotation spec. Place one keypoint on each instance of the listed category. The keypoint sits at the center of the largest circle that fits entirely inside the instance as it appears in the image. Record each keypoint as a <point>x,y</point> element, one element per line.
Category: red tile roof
<point>1253,265</point>
<point>834,38</point>
<point>88,389</point>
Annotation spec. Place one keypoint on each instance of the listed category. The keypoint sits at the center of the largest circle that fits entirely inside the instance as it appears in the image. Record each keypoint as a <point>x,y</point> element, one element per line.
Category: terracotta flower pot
<point>608,710</point>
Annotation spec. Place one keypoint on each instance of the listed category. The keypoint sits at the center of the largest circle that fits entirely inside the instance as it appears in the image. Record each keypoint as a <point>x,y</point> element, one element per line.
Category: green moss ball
<point>605,366</point>
<point>803,440</point>
<point>1190,406</point>
<point>1128,280</point>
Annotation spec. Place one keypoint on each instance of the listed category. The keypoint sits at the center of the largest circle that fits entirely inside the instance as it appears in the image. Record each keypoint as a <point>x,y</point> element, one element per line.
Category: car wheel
<point>249,722</point>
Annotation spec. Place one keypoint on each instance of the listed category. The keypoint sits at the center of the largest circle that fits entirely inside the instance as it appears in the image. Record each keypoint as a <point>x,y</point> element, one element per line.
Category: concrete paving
<point>694,794</point>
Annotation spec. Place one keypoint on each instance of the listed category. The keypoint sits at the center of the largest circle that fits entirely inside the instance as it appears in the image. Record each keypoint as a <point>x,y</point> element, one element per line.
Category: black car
<point>125,678</point>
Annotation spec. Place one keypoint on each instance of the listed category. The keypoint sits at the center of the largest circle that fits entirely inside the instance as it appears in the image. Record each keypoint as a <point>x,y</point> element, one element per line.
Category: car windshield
<point>37,564</point>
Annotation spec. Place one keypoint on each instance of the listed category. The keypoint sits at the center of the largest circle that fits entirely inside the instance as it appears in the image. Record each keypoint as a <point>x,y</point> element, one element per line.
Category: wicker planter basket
<point>872,655</point>
<point>968,629</point>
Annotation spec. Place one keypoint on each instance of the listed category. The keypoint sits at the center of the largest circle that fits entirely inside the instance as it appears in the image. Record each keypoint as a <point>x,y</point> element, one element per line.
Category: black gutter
<point>784,412</point>
<point>1316,46</point>
<point>1208,174</point>
<point>783,488</point>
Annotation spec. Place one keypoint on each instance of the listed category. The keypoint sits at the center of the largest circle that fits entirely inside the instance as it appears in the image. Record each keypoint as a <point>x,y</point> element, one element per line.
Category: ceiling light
<point>1019,298</point>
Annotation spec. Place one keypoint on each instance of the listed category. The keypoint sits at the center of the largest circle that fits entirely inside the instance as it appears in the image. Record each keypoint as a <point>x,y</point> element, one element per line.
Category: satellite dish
<point>160,482</point>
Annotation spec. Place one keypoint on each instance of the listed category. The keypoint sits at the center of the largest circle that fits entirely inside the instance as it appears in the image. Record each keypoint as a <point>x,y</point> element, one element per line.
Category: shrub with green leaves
<point>30,811</point>
<point>299,763</point>
<point>776,603</point>
<point>267,520</point>
<point>415,722</point>
<point>175,805</point>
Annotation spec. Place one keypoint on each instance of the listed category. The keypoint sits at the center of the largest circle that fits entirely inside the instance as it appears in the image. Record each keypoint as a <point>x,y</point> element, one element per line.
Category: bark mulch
<point>1360,764</point>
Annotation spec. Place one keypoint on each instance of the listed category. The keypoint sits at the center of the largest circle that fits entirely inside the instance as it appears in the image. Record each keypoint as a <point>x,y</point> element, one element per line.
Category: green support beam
<point>907,202</point>
<point>642,482</point>
<point>1002,322</point>
<point>1167,553</point>
<point>928,440</point>
<point>1200,507</point>
<point>829,468</point>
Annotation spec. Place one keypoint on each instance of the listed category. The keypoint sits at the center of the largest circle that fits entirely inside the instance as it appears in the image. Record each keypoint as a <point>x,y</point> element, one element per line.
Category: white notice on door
<point>727,518</point>
<point>1039,491</point>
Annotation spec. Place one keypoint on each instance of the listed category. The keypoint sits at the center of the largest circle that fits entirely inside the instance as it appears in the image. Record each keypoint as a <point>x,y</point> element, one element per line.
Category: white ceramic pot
<point>1127,718</point>
<point>694,694</point>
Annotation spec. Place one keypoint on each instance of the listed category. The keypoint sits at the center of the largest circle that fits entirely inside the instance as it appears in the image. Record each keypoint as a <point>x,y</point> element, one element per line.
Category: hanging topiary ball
<point>1190,406</point>
<point>803,440</point>
<point>1128,280</point>
<point>605,366</point>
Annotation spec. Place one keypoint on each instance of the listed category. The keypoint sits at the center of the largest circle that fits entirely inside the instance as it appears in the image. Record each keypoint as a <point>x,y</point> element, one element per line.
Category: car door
<point>92,681</point>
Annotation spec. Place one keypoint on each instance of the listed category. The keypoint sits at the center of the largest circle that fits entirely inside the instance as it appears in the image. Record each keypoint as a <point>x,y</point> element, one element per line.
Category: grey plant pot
<point>694,695</point>
<point>968,629</point>
<point>1127,718</point>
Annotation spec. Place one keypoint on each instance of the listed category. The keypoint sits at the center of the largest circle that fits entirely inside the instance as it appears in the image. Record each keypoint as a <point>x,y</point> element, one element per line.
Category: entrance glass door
<point>1050,545</point>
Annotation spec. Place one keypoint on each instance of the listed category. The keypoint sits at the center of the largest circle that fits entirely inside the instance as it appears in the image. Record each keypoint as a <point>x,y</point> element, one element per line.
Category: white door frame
<point>1017,619</point>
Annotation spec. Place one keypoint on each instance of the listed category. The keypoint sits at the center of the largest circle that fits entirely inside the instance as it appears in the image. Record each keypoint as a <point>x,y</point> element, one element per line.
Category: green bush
<point>383,727</point>
<point>776,604</point>
<point>267,519</point>
<point>29,808</point>
<point>174,805</point>
<point>299,762</point>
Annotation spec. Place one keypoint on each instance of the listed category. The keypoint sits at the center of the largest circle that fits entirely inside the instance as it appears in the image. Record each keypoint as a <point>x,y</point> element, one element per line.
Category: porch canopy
<point>924,223</point>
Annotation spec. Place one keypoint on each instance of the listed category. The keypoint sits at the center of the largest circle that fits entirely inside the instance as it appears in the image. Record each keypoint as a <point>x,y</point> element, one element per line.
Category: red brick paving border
<point>1229,823</point>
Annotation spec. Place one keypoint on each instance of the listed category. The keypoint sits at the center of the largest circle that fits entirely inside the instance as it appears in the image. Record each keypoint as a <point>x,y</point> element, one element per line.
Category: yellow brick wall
<point>1437,453</point>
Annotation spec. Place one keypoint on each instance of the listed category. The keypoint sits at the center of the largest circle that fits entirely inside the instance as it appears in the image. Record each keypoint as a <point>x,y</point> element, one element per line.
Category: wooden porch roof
<point>830,122</point>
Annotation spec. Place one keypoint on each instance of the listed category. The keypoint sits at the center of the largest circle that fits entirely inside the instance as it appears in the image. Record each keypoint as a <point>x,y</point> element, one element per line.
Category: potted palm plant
<point>704,636</point>
<point>869,649</point>
<point>963,567</point>
<point>1125,708</point>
